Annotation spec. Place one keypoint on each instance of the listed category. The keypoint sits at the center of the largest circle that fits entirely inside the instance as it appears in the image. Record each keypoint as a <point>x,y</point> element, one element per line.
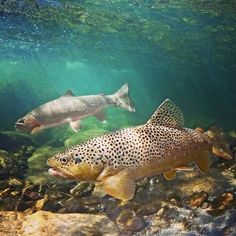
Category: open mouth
<point>19,125</point>
<point>56,173</point>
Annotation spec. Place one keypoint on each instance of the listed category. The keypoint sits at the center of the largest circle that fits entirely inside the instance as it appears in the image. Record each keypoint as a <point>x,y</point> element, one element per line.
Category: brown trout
<point>71,109</point>
<point>120,158</point>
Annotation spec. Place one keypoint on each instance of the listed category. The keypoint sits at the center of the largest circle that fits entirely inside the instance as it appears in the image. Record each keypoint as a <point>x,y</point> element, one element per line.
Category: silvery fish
<point>71,109</point>
<point>119,158</point>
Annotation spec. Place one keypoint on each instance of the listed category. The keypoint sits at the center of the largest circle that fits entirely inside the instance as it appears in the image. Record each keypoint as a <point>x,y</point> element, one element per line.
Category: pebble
<point>197,199</point>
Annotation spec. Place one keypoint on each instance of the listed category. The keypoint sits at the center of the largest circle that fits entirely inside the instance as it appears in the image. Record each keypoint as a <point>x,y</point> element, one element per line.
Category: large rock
<point>46,223</point>
<point>38,169</point>
<point>83,136</point>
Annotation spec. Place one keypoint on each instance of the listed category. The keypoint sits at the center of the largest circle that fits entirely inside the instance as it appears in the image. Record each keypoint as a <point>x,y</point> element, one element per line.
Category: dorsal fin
<point>69,93</point>
<point>167,114</point>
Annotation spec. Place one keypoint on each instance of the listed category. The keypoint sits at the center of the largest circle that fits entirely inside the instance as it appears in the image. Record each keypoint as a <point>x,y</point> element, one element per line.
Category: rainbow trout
<point>120,158</point>
<point>71,109</point>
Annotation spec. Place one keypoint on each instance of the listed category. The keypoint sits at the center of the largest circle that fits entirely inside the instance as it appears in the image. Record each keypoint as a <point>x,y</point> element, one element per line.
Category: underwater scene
<point>117,117</point>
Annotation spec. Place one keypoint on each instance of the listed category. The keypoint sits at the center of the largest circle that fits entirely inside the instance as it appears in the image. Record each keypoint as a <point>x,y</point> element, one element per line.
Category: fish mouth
<point>56,173</point>
<point>19,125</point>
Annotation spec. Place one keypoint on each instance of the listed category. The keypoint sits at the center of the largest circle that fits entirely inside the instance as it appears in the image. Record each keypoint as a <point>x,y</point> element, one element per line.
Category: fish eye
<point>63,160</point>
<point>21,121</point>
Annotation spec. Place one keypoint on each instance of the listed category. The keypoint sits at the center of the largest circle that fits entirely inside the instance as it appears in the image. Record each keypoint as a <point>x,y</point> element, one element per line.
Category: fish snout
<point>20,123</point>
<point>27,123</point>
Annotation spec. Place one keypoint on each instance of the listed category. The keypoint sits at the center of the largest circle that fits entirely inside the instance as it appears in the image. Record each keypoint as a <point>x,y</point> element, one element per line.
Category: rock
<point>15,183</point>
<point>224,200</point>
<point>84,135</point>
<point>82,188</point>
<point>221,203</point>
<point>46,223</point>
<point>11,222</point>
<point>39,205</point>
<point>5,193</point>
<point>38,169</point>
<point>205,205</point>
<point>197,199</point>
<point>5,164</point>
<point>12,165</point>
<point>72,205</point>
<point>148,209</point>
<point>129,222</point>
<point>13,140</point>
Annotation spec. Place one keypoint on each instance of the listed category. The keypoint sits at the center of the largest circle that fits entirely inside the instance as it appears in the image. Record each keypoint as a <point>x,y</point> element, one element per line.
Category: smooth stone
<point>197,199</point>
<point>46,223</point>
<point>128,221</point>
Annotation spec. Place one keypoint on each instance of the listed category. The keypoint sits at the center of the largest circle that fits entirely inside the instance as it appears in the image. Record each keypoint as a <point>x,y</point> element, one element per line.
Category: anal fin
<point>120,185</point>
<point>203,162</point>
<point>170,174</point>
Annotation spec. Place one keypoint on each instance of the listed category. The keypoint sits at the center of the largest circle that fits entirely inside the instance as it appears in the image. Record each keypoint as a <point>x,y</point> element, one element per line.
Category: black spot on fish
<point>77,160</point>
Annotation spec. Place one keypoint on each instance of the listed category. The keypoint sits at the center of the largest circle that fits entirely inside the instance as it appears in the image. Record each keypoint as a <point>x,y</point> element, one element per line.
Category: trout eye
<point>63,160</point>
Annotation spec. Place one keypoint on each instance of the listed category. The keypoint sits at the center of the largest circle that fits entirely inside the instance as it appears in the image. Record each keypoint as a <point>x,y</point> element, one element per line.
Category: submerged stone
<point>197,199</point>
<point>46,223</point>
<point>12,165</point>
<point>38,169</point>
<point>83,136</point>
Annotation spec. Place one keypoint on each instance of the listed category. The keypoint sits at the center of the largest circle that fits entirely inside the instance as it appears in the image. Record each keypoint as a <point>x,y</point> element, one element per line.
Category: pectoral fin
<point>120,185</point>
<point>75,125</point>
<point>203,163</point>
<point>37,130</point>
<point>101,116</point>
<point>170,174</point>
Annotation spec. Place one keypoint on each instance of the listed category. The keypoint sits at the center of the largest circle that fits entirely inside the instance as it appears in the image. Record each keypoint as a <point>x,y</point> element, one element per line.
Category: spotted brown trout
<point>120,158</point>
<point>71,109</point>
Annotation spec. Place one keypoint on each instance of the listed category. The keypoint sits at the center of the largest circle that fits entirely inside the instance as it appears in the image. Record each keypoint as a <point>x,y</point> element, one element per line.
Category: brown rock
<point>197,199</point>
<point>46,223</point>
<point>223,201</point>
<point>129,222</point>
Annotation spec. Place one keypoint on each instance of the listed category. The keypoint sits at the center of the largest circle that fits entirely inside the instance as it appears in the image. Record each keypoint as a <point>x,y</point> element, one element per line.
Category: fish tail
<point>121,98</point>
<point>220,145</point>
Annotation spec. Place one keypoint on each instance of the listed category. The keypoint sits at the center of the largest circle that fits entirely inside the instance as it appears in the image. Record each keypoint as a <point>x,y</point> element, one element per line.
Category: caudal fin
<point>220,146</point>
<point>121,98</point>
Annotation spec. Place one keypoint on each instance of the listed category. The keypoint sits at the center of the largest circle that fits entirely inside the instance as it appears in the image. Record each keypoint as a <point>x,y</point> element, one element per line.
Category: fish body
<point>120,158</point>
<point>71,109</point>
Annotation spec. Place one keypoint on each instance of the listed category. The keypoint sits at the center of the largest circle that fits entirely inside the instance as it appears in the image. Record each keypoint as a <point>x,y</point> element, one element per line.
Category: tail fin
<point>220,146</point>
<point>121,98</point>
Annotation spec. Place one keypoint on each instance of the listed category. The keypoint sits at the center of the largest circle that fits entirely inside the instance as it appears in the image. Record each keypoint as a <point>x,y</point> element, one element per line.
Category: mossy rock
<point>38,169</point>
<point>83,136</point>
<point>14,165</point>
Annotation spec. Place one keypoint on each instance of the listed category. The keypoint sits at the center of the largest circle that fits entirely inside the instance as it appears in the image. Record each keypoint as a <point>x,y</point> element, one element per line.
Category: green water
<point>183,50</point>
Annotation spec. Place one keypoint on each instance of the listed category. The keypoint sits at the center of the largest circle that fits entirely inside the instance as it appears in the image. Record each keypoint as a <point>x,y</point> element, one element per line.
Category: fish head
<point>27,123</point>
<point>73,164</point>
